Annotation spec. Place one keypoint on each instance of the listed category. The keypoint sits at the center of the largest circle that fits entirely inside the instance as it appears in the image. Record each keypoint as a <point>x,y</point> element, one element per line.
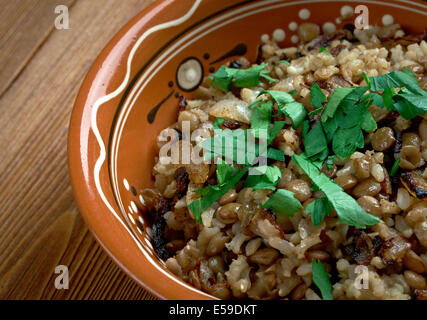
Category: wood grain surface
<point>41,70</point>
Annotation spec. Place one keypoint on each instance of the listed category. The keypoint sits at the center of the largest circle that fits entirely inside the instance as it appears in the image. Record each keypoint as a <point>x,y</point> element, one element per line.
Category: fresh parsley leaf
<point>367,121</point>
<point>410,105</point>
<point>396,79</point>
<point>323,49</point>
<point>348,210</point>
<point>261,116</point>
<point>283,202</point>
<point>222,78</point>
<point>283,61</point>
<point>237,145</point>
<point>346,141</point>
<point>401,91</point>
<point>240,78</point>
<point>233,145</point>
<point>223,171</point>
<point>366,78</point>
<point>315,141</point>
<point>305,128</point>
<point>315,111</point>
<point>213,193</point>
<point>395,167</point>
<point>374,99</point>
<point>264,75</point>
<point>267,178</point>
<point>280,97</point>
<point>296,111</point>
<point>354,98</point>
<point>318,159</point>
<point>321,279</point>
<point>352,118</point>
<point>319,209</point>
<point>287,105</point>
<point>330,126</point>
<point>334,101</point>
<point>206,191</point>
<point>388,95</point>
<point>275,154</point>
<point>344,125</point>
<point>255,103</point>
<point>246,78</point>
<point>274,131</point>
<point>317,97</point>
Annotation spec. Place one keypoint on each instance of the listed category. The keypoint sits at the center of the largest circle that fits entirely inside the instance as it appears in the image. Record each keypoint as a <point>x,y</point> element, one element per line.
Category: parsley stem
<point>395,167</point>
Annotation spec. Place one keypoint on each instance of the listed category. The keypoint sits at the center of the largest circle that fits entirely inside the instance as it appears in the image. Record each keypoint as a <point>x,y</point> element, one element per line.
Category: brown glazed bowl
<point>132,92</point>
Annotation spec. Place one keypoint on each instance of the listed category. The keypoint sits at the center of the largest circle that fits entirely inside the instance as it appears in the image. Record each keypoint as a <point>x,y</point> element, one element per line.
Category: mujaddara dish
<point>342,191</point>
<point>269,149</point>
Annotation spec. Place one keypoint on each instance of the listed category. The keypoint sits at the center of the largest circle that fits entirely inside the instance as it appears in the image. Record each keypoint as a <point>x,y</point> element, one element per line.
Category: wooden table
<point>41,70</point>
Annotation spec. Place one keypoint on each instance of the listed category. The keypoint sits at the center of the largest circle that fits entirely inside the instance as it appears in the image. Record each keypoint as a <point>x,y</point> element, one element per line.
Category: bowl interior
<point>126,124</point>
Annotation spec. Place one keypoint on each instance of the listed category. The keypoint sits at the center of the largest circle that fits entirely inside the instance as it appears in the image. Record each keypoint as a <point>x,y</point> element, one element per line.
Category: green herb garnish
<point>240,78</point>
<point>227,175</point>
<point>261,116</point>
<point>344,117</point>
<point>374,98</point>
<point>275,154</point>
<point>274,130</point>
<point>395,167</point>
<point>283,202</point>
<point>319,209</point>
<point>315,142</point>
<point>236,146</point>
<point>288,106</point>
<point>267,177</point>
<point>323,49</point>
<point>224,171</point>
<point>348,210</point>
<point>222,78</point>
<point>400,91</point>
<point>347,140</point>
<point>321,279</point>
<point>317,97</point>
<point>410,105</point>
<point>211,194</point>
<point>283,61</point>
<point>337,98</point>
<point>396,79</point>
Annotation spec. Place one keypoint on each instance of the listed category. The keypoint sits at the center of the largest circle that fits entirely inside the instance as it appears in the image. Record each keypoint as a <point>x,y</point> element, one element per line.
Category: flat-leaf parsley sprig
<point>321,279</point>
<point>348,210</point>
<point>228,176</point>
<point>240,78</point>
<point>400,92</point>
<point>338,133</point>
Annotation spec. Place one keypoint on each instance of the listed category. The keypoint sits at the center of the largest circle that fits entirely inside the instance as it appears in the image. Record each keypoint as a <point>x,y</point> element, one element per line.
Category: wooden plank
<point>24,26</point>
<point>39,224</point>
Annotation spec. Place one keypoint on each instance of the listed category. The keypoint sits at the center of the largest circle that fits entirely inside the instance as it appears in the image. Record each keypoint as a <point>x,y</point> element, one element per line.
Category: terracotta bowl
<point>132,92</point>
